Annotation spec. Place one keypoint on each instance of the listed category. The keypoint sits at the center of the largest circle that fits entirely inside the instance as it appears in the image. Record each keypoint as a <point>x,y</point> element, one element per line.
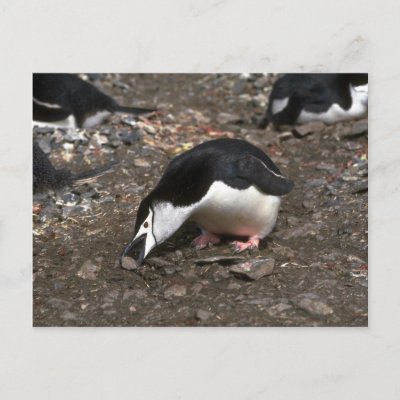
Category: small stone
<point>132,308</point>
<point>301,131</point>
<point>70,211</point>
<point>239,85</point>
<point>175,291</point>
<point>128,137</point>
<point>331,168</point>
<point>260,100</point>
<point>106,199</point>
<point>260,83</point>
<point>128,263</point>
<point>304,230</point>
<point>70,199</point>
<point>44,145</point>
<point>226,118</point>
<point>234,286</point>
<point>196,288</point>
<point>203,315</point>
<point>254,269</point>
<point>149,129</point>
<point>278,308</point>
<point>68,315</point>
<point>49,212</point>
<point>141,162</point>
<point>59,303</point>
<point>88,271</point>
<point>313,304</point>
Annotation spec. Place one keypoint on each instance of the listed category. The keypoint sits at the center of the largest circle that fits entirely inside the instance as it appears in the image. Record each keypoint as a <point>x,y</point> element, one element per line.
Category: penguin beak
<point>136,249</point>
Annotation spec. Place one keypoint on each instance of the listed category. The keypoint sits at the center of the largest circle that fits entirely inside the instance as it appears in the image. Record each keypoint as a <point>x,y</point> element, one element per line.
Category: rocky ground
<point>311,271</point>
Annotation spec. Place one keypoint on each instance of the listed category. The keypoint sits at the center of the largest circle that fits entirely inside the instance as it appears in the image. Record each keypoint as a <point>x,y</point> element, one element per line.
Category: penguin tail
<point>89,176</point>
<point>259,174</point>
<point>133,110</point>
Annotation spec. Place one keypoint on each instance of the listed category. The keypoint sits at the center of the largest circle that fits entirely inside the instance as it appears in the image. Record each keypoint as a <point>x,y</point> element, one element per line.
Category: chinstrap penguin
<point>226,186</point>
<point>45,176</point>
<point>330,98</point>
<point>68,101</point>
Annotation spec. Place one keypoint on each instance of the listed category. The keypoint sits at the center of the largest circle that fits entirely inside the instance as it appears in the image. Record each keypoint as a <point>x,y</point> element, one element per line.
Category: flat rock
<point>219,259</point>
<point>313,304</point>
<point>128,263</point>
<point>304,230</point>
<point>88,270</point>
<point>203,315</point>
<point>301,131</point>
<point>226,118</point>
<point>254,269</point>
<point>175,291</point>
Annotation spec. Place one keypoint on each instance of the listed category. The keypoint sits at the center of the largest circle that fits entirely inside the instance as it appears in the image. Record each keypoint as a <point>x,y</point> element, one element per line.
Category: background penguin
<point>45,176</point>
<point>66,100</point>
<point>226,186</point>
<point>301,98</point>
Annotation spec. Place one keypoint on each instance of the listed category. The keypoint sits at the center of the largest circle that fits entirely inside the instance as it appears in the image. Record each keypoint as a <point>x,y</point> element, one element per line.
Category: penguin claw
<point>203,240</point>
<point>252,243</point>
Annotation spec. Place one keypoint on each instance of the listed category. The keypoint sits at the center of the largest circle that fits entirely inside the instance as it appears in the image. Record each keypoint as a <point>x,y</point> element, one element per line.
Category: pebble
<point>301,131</point>
<point>129,137</point>
<point>203,315</point>
<point>44,145</point>
<point>254,269</point>
<point>70,199</point>
<point>128,263</point>
<point>239,86</point>
<point>313,304</point>
<point>308,228</point>
<point>260,83</point>
<point>175,291</point>
<point>141,162</point>
<point>227,118</point>
<point>49,212</point>
<point>278,308</point>
<point>70,211</point>
<point>88,271</point>
<point>59,303</point>
<point>68,316</point>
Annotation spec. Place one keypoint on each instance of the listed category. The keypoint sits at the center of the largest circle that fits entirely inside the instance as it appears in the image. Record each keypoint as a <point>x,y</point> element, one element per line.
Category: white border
<point>198,36</point>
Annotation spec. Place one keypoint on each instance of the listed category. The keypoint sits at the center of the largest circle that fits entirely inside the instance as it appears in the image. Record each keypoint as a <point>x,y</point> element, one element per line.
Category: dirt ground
<point>319,245</point>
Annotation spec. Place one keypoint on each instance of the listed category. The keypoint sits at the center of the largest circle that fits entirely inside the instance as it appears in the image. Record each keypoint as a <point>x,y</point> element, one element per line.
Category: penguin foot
<point>252,243</point>
<point>202,241</point>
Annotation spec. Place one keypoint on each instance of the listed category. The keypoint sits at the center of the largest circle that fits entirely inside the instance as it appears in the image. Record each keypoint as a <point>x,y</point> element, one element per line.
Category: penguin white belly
<point>247,212</point>
<point>68,123</point>
<point>335,113</point>
<point>95,119</point>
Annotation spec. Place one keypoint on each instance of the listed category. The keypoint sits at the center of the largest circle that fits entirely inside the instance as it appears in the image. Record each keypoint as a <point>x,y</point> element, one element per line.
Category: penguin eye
<point>146,224</point>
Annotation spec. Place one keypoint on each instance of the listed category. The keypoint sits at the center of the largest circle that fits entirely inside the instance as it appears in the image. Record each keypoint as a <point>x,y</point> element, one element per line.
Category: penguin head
<point>156,221</point>
<point>144,239</point>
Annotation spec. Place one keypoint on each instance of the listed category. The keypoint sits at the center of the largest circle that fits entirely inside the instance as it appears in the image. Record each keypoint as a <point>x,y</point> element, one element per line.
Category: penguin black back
<point>57,96</point>
<point>293,94</point>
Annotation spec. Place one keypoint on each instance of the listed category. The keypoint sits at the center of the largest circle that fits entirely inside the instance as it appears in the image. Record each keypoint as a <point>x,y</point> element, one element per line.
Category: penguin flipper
<point>259,174</point>
<point>49,114</point>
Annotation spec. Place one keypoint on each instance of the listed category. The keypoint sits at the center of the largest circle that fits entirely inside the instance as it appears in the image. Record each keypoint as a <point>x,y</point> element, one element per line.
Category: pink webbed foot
<point>252,243</point>
<point>202,241</point>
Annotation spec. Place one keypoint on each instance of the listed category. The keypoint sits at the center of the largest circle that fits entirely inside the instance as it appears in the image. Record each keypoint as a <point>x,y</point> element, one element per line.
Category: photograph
<point>200,199</point>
